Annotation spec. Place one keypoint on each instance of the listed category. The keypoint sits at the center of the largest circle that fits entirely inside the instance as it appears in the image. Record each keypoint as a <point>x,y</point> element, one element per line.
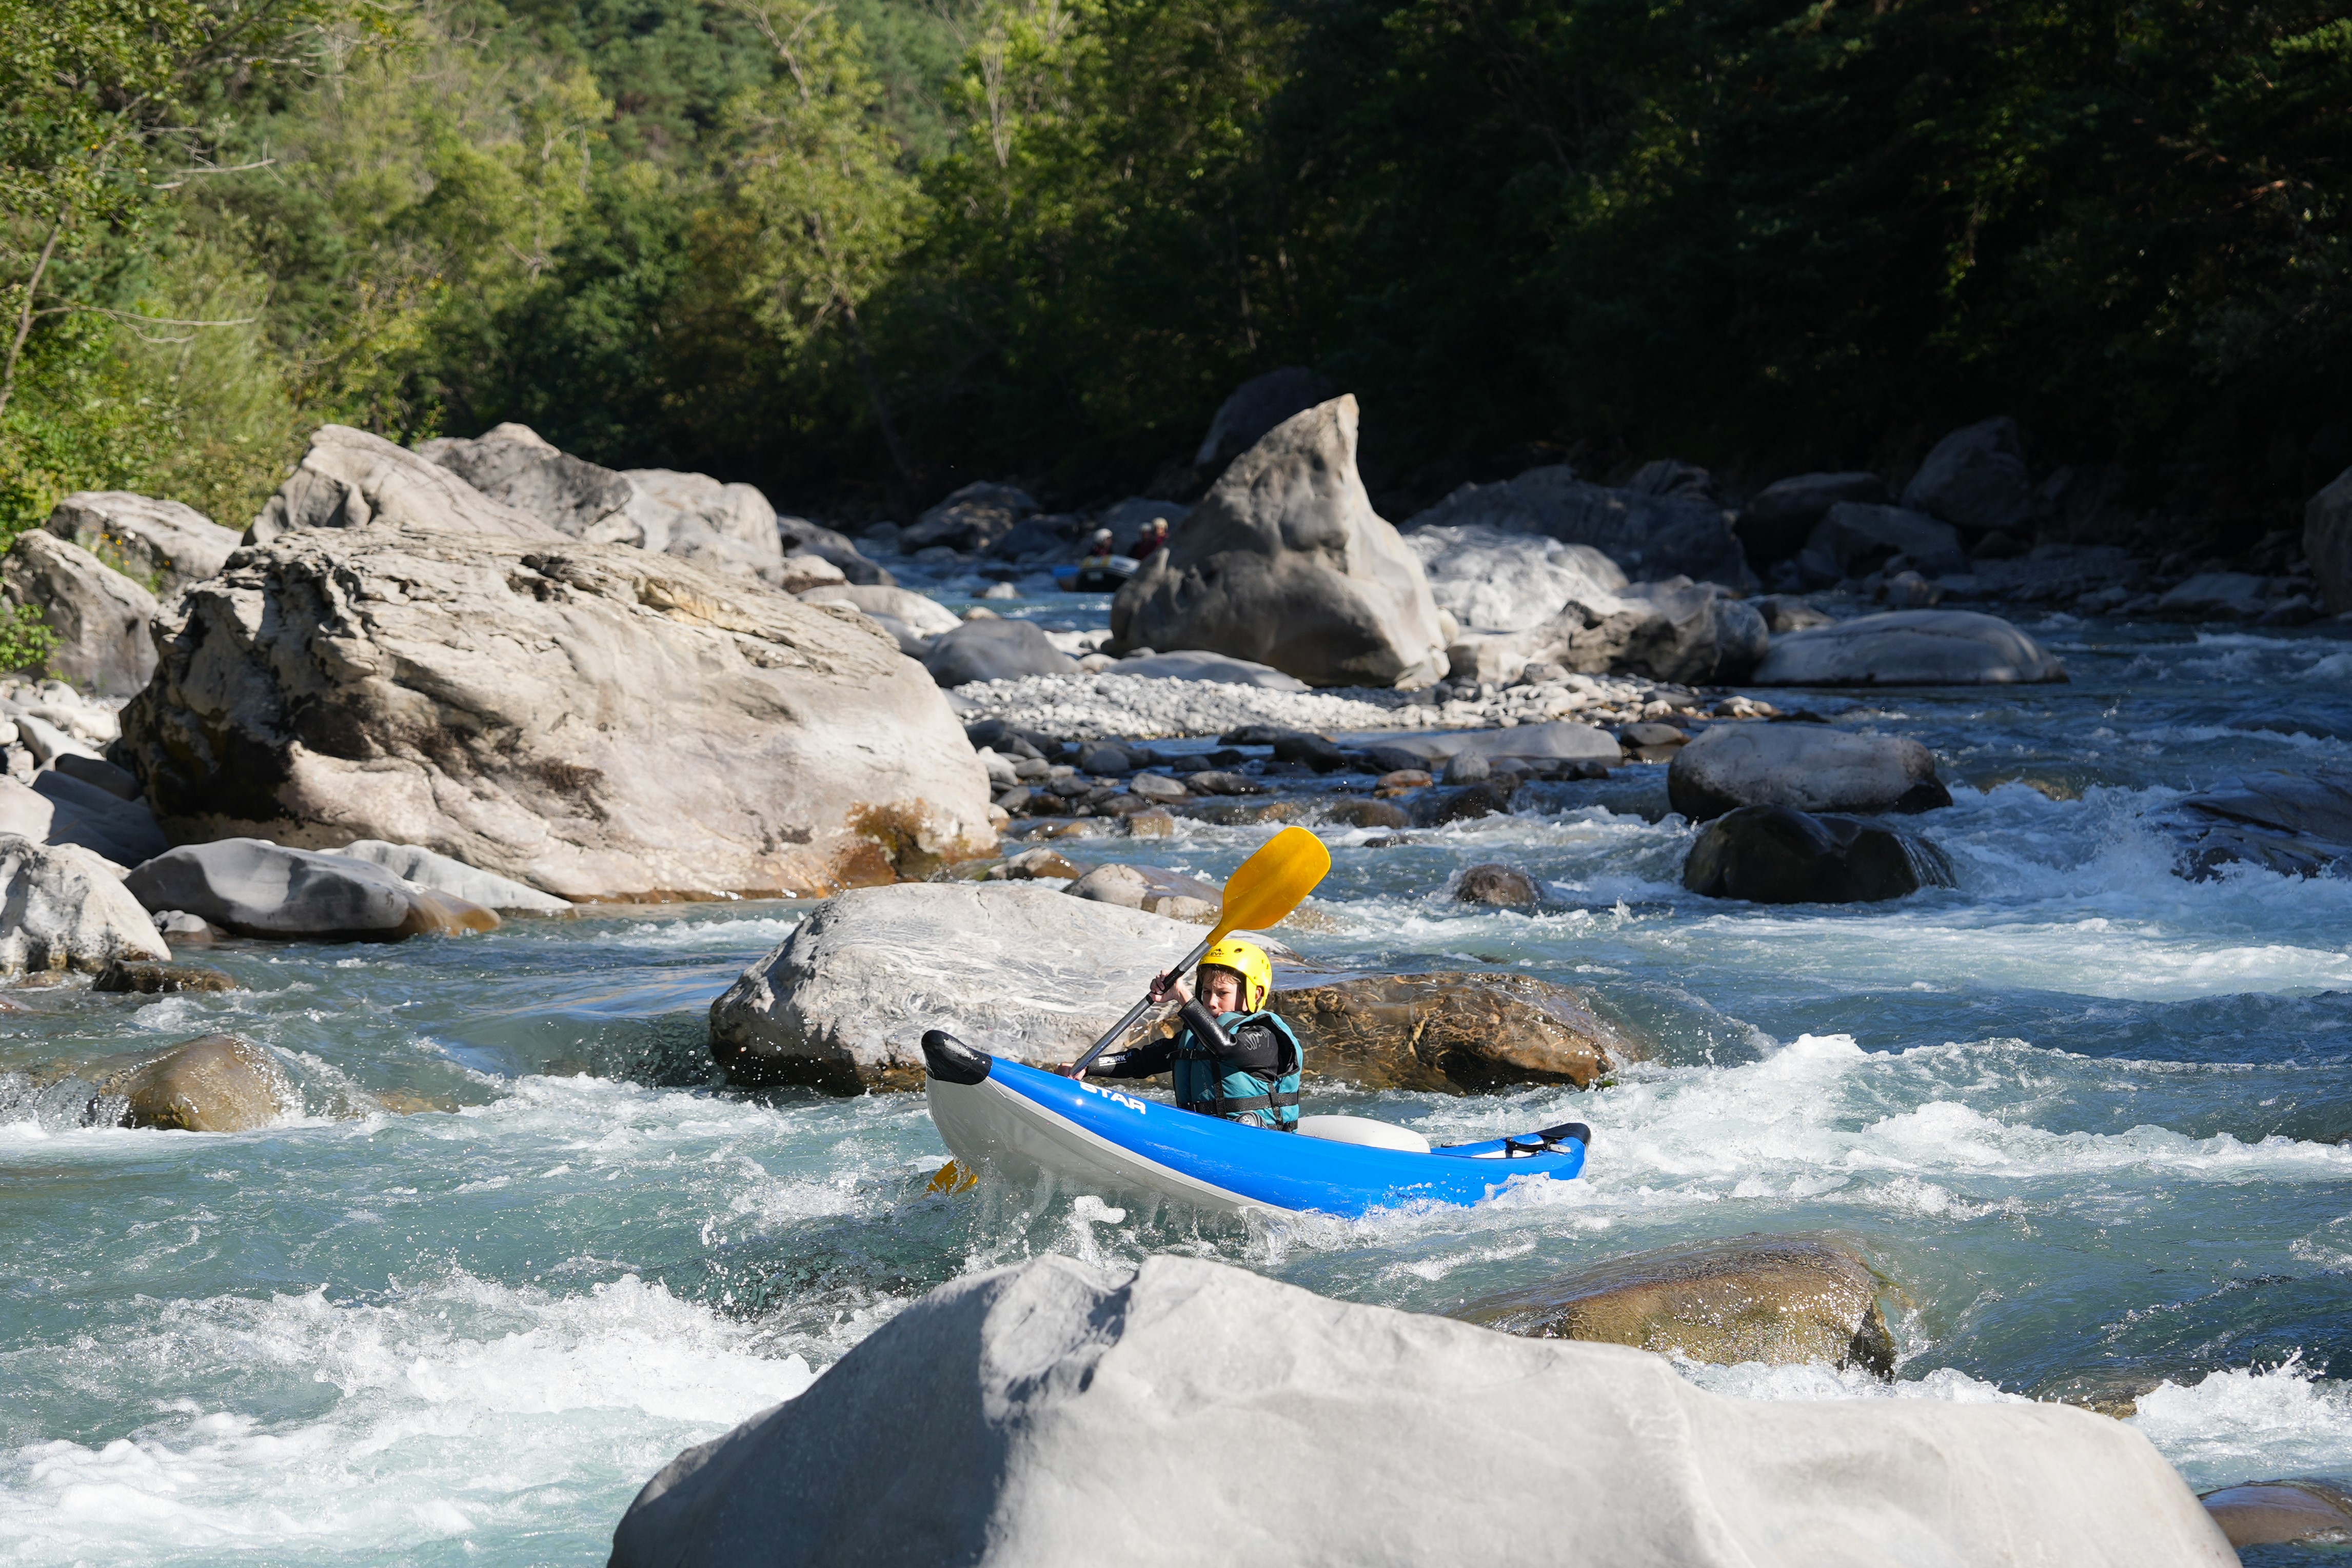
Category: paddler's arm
<point>1144,1062</point>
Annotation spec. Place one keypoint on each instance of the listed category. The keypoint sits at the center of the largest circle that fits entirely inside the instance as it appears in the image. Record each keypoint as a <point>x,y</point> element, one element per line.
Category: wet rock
<point>350,479</point>
<point>1909,648</point>
<point>972,519</point>
<point>428,689</point>
<point>215,1083</point>
<point>1810,767</point>
<point>1652,742</point>
<point>2327,542</point>
<point>1151,823</point>
<point>1775,523</point>
<point>1435,808</point>
<point>1786,1301</point>
<point>1353,811</point>
<point>1455,1032</point>
<point>1650,537</point>
<point>1218,781</point>
<point>162,546</point>
<point>1503,886</point>
<point>1286,563</point>
<point>1257,407</point>
<point>184,930</point>
<point>62,908</point>
<point>1031,864</point>
<point>1469,767</point>
<point>1404,778</point>
<point>423,868</point>
<point>97,615</point>
<point>1319,752</point>
<point>2298,824</point>
<point>1022,971</point>
<point>1975,478</point>
<point>981,1425</point>
<point>1775,854</point>
<point>1101,758</point>
<point>2215,596</point>
<point>1157,786</point>
<point>994,650</point>
<point>256,888</point>
<point>1148,888</point>
<point>159,980</point>
<point>2268,1513</point>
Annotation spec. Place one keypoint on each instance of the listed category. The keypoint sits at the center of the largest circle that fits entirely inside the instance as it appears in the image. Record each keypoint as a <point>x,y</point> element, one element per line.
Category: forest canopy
<point>858,254</point>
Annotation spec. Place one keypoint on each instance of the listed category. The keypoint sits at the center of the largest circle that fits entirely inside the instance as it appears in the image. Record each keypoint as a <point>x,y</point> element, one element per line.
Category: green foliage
<point>25,640</point>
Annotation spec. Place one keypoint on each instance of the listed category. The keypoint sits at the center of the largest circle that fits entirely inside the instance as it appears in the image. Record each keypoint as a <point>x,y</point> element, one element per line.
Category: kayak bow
<point>1003,1114</point>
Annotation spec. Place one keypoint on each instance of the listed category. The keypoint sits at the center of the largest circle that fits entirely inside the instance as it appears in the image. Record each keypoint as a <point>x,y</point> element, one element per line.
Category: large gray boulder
<point>1809,766</point>
<point>514,464</point>
<point>1256,406</point>
<point>61,907</point>
<point>1649,536</point>
<point>997,1422</point>
<point>162,545</point>
<point>596,721</point>
<point>99,616</point>
<point>1862,539</point>
<point>913,618</point>
<point>256,888</point>
<point>95,818</point>
<point>1023,972</point>
<point>1775,522</point>
<point>730,528</point>
<point>1286,563</point>
<point>350,479</point>
<point>972,519</point>
<point>2327,542</point>
<point>1493,581</point>
<point>994,650</point>
<point>1975,478</point>
<point>1909,648</point>
<point>1777,854</point>
<point>423,868</point>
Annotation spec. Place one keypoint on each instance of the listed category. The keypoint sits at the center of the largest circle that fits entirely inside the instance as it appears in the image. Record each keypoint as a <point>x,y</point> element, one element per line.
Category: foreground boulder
<point>423,868</point>
<point>162,545</point>
<point>2298,824</point>
<point>2327,542</point>
<point>1463,1033</point>
<point>254,888</point>
<point>2272,1513</point>
<point>350,479</point>
<point>1286,563</point>
<point>1909,648</point>
<point>1785,1300</point>
<point>1650,536</point>
<point>217,1084</point>
<point>994,650</point>
<point>1808,766</point>
<point>986,1424</point>
<point>61,908</point>
<point>592,720</point>
<point>97,616</point>
<point>1775,854</point>
<point>1023,972</point>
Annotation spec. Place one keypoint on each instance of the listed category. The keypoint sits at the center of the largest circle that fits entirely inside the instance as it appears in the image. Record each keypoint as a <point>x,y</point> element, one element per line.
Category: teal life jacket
<point>1207,1083</point>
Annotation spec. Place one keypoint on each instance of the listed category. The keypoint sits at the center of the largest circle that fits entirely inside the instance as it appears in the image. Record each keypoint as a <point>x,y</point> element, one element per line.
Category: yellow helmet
<point>1248,960</point>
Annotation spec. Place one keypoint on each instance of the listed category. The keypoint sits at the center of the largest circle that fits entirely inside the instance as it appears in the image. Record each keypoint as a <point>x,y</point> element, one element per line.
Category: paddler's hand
<point>1166,985</point>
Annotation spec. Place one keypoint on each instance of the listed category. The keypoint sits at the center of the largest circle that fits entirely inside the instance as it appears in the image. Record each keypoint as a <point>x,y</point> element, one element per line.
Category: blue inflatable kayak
<point>1016,1119</point>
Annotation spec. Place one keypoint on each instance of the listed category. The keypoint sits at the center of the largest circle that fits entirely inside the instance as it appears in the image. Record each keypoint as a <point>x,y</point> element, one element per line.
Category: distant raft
<point>1002,1115</point>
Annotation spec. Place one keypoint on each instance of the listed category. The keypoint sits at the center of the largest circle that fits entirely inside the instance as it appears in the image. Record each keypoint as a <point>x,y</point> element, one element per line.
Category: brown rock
<point>1031,864</point>
<point>1458,1032</point>
<point>1504,886</point>
<point>2266,1513</point>
<point>151,979</point>
<point>215,1083</point>
<point>432,913</point>
<point>1784,1300</point>
<point>1155,824</point>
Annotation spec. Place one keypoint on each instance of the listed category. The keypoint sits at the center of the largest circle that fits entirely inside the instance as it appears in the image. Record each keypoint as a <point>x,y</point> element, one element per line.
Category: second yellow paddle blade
<point>1272,882</point>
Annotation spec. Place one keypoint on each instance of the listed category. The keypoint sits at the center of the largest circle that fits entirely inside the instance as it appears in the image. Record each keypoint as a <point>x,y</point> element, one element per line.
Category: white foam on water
<point>2246,1425</point>
<point>458,1406</point>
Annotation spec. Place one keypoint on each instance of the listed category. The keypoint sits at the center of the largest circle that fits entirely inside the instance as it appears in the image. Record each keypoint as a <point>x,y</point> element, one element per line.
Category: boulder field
<point>596,721</point>
<point>1000,1420</point>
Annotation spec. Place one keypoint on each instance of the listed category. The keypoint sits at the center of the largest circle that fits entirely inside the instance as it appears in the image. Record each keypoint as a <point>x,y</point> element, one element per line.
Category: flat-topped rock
<point>1811,767</point>
<point>1909,648</point>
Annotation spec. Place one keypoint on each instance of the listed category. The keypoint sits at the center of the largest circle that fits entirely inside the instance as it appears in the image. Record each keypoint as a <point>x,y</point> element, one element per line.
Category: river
<point>2095,1120</point>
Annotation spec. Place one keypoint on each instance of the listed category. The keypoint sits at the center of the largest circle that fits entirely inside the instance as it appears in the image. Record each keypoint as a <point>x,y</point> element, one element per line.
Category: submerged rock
<point>1782,1300</point>
<point>1454,1032</point>
<point>1909,648</point>
<point>256,888</point>
<point>62,908</point>
<point>1503,886</point>
<point>159,980</point>
<point>1810,767</point>
<point>160,545</point>
<point>2269,1513</point>
<point>1777,854</point>
<point>981,1425</point>
<point>592,720</point>
<point>1021,971</point>
<point>1286,563</point>
<point>2298,824</point>
<point>215,1083</point>
<point>97,615</point>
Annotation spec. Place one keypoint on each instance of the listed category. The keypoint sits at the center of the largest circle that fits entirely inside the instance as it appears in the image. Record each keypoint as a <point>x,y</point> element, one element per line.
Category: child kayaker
<point>1231,1058</point>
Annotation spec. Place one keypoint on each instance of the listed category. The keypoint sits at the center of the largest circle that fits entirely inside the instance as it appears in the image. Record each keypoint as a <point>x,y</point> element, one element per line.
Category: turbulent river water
<point>2095,1120</point>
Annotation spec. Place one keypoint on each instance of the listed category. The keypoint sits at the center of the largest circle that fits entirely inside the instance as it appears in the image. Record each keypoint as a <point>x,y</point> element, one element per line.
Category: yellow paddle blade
<point>952,1177</point>
<point>1271,884</point>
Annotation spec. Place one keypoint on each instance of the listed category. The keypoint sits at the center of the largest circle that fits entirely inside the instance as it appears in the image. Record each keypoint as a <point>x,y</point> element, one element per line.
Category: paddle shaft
<point>1140,1009</point>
